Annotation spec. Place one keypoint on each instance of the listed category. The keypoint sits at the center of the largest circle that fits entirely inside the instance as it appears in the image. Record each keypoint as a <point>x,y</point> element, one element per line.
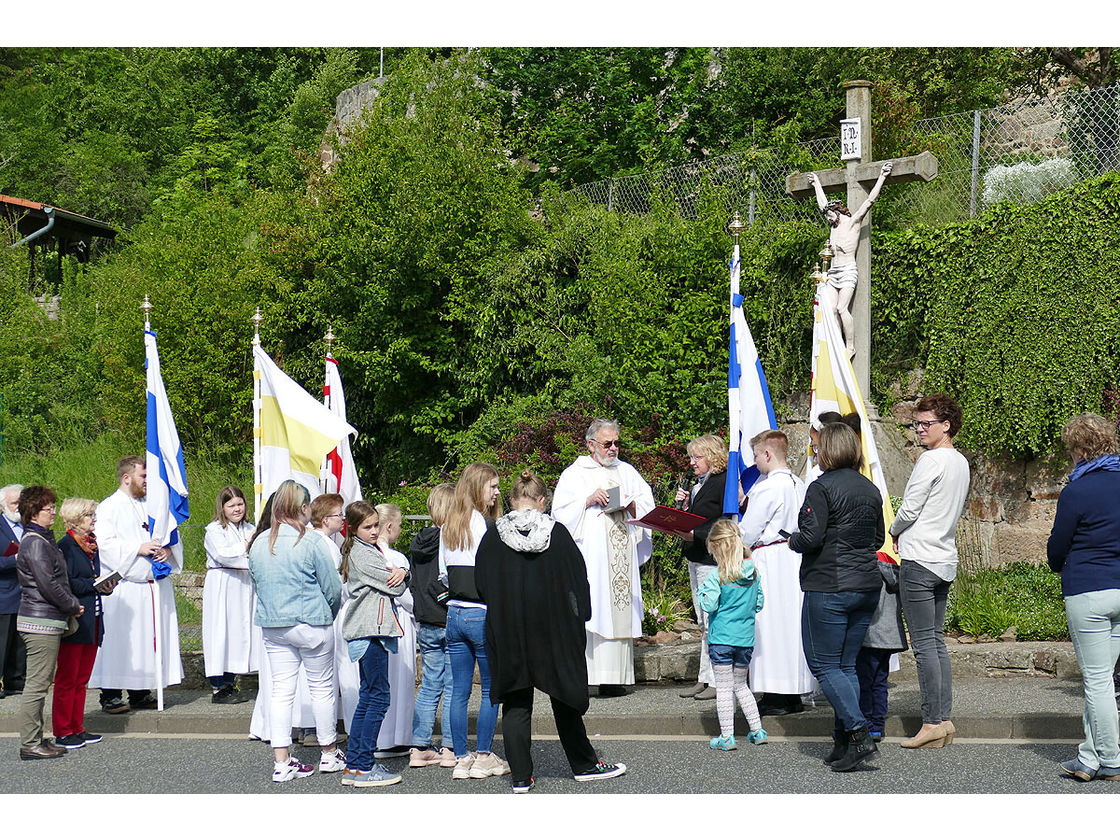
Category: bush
<point>1023,595</point>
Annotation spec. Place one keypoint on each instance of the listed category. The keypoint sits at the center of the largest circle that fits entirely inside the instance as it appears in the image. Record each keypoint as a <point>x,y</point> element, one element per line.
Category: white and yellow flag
<point>835,388</point>
<point>294,431</point>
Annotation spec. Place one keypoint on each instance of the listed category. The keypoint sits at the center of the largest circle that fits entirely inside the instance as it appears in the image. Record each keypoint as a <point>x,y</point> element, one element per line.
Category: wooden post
<point>859,107</point>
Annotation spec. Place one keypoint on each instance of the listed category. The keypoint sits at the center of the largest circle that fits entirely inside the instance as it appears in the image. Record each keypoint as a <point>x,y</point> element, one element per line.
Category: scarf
<point>45,533</point>
<point>1102,462</point>
<point>86,542</point>
<point>526,530</point>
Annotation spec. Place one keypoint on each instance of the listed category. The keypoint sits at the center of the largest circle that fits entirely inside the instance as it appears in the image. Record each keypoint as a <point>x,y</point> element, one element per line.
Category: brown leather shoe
<point>46,749</point>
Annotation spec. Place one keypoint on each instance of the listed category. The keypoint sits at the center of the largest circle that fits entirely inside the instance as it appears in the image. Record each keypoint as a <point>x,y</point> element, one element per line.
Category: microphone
<point>684,484</point>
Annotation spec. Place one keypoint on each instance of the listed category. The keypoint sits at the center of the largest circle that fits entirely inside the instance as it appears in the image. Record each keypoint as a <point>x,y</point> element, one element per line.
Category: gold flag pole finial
<point>146,307</point>
<point>736,226</point>
<point>256,319</point>
<point>329,338</point>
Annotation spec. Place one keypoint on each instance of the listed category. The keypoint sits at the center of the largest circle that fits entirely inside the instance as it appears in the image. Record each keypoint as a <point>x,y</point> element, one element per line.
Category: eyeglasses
<point>923,425</point>
<point>609,444</point>
<point>333,516</point>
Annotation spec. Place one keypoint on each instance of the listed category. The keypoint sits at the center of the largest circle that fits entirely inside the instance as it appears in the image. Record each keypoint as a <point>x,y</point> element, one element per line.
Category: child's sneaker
<point>463,767</point>
<point>294,769</point>
<point>722,742</point>
<point>332,762</point>
<point>377,777</point>
<point>488,764</point>
<point>757,737</point>
<point>602,770</point>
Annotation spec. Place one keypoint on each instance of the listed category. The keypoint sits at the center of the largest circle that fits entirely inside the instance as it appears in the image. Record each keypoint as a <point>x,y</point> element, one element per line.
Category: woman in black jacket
<point>78,650</point>
<point>46,604</point>
<point>840,531</point>
<point>533,579</point>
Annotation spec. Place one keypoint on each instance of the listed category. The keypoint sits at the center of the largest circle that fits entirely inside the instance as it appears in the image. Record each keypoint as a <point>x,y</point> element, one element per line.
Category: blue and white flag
<point>748,400</point>
<point>167,506</point>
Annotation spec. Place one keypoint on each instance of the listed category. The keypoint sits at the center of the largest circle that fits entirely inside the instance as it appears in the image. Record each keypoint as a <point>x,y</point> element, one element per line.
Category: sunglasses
<point>610,444</point>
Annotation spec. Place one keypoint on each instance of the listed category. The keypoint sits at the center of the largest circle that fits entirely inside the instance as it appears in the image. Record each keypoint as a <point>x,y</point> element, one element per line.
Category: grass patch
<point>1023,595</point>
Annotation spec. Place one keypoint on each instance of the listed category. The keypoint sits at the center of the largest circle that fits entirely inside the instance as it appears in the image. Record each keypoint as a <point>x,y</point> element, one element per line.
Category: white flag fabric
<point>834,388</point>
<point>339,474</point>
<point>167,505</point>
<point>748,399</point>
<point>296,431</point>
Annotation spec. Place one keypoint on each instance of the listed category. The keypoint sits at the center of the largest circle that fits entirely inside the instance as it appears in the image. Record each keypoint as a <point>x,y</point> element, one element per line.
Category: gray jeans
<point>924,596</point>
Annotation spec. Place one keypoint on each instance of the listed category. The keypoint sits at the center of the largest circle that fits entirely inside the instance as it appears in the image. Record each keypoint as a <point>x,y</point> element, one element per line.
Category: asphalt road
<point>222,765</point>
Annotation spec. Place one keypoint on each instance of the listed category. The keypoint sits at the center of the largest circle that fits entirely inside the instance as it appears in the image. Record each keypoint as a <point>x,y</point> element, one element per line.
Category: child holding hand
<point>731,598</point>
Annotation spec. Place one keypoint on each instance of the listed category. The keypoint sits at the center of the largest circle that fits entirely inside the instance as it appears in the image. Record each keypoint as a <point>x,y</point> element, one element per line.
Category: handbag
<point>889,573</point>
<point>71,626</point>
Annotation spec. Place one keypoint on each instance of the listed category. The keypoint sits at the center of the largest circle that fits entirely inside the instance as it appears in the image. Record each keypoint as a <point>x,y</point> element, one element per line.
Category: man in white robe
<point>127,657</point>
<point>612,550</point>
<point>778,665</point>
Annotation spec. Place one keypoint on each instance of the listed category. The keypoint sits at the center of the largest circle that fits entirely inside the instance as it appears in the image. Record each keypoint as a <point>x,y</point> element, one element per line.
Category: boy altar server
<point>127,657</point>
<point>778,665</point>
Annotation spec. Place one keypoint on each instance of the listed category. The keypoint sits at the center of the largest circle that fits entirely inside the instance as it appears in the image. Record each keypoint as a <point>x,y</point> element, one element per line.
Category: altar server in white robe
<point>126,658</point>
<point>778,665</point>
<point>612,550</point>
<point>395,737</point>
<point>229,647</point>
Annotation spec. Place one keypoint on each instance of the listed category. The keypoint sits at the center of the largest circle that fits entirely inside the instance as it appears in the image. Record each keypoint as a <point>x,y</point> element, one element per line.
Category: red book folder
<point>669,520</point>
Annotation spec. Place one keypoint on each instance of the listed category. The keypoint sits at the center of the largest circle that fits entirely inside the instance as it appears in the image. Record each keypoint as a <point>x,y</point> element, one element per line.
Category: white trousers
<point>286,648</point>
<point>697,572</point>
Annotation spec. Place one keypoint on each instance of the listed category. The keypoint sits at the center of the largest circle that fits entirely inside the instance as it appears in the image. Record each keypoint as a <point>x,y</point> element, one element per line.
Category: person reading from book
<point>612,549</point>
<point>707,458</point>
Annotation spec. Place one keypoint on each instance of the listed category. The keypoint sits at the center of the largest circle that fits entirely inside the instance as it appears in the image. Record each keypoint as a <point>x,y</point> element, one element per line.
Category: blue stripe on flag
<point>766,395</point>
<point>734,372</point>
<point>731,488</point>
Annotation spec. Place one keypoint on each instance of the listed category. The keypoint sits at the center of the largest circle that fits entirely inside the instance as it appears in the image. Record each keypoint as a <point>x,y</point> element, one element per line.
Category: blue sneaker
<point>723,743</point>
<point>1109,774</point>
<point>377,777</point>
<point>757,737</point>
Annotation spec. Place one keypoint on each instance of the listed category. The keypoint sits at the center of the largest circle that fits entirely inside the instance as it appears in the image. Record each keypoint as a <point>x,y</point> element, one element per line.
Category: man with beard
<point>13,653</point>
<point>612,550</point>
<point>127,658</point>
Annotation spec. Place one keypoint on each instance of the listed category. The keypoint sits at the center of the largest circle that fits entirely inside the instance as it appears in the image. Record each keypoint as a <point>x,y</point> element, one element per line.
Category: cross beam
<point>906,170</point>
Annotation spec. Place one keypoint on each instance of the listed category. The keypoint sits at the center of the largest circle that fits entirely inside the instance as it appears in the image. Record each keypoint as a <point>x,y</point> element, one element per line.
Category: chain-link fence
<point>1018,152</point>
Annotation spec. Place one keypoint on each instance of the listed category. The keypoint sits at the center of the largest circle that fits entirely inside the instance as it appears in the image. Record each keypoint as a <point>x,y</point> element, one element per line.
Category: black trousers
<point>517,733</point>
<point>13,654</point>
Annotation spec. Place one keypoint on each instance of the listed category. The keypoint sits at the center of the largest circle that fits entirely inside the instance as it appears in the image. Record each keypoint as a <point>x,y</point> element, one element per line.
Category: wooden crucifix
<point>858,175</point>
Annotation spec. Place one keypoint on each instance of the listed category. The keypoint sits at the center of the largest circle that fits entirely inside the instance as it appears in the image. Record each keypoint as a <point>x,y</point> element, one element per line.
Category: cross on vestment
<point>858,175</point>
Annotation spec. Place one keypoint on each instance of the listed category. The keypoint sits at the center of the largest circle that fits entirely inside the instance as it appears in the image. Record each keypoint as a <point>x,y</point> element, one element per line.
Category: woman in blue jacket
<point>1084,546</point>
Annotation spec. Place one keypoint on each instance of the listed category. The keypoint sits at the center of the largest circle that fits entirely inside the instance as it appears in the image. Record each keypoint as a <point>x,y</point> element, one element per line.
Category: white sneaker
<point>332,762</point>
<point>422,758</point>
<point>463,767</point>
<point>294,769</point>
<point>488,764</point>
<point>447,758</point>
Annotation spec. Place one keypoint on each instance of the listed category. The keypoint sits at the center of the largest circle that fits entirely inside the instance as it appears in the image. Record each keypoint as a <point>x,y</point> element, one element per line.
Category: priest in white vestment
<point>612,550</point>
<point>127,656</point>
<point>778,666</point>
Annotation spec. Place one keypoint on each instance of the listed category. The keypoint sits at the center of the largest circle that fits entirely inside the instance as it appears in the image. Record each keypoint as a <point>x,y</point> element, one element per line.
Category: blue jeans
<point>373,703</point>
<point>466,644</point>
<point>434,684</point>
<point>833,625</point>
<point>872,668</point>
<point>1094,627</point>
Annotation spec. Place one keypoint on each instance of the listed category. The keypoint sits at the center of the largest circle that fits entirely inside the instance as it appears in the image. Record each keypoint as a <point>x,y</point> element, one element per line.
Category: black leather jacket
<point>43,577</point>
<point>839,533</point>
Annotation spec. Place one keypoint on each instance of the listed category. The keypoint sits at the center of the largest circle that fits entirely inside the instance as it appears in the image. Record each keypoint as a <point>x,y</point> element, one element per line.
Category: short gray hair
<point>597,424</point>
<point>10,488</point>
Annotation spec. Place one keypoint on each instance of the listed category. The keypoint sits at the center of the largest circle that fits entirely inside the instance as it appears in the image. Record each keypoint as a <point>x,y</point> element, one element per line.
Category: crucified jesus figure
<point>844,239</point>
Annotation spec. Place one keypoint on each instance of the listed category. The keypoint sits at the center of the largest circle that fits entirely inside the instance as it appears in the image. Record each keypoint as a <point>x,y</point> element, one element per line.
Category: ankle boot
<point>860,749</point>
<point>839,746</point>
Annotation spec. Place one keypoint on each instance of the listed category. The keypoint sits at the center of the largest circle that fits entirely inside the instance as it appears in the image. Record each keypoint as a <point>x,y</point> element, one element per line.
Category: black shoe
<point>71,742</point>
<point>523,787</point>
<point>860,749</point>
<point>227,695</point>
<point>90,737</point>
<point>148,701</point>
<point>781,707</point>
<point>116,706</point>
<point>612,691</point>
<point>839,747</point>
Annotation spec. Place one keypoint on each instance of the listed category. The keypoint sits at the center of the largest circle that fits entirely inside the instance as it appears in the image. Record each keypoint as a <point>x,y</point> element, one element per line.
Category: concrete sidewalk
<point>1027,708</point>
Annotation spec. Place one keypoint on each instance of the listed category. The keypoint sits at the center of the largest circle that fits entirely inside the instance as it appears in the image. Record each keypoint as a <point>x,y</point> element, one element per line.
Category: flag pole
<point>157,607</point>
<point>258,477</point>
<point>324,469</point>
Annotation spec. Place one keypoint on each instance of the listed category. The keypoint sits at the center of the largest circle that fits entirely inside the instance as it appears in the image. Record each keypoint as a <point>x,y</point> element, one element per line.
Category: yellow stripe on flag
<point>306,446</point>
